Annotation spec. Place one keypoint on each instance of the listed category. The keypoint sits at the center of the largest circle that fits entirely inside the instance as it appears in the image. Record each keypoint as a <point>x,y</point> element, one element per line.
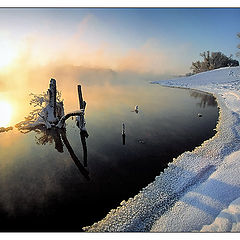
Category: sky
<point>157,40</point>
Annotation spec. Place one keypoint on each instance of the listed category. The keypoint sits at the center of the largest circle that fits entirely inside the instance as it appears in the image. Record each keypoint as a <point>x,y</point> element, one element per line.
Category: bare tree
<point>213,61</point>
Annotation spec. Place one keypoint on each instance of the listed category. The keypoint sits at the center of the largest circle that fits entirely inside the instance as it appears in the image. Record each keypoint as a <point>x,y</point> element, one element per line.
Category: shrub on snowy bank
<point>213,61</point>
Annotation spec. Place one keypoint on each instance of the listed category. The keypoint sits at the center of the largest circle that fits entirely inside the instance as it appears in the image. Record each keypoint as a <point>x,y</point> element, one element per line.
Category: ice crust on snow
<point>200,190</point>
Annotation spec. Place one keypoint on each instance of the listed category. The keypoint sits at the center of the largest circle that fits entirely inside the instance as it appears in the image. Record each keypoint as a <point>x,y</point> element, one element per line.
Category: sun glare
<point>8,53</point>
<point>5,114</point>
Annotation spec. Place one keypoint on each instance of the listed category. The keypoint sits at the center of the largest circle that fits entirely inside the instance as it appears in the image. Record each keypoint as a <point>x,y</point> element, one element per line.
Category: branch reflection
<point>83,136</point>
<point>59,138</point>
<point>80,167</point>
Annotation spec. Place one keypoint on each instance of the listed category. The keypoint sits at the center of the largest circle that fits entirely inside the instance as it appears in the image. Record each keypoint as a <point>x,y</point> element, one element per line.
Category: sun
<point>5,114</point>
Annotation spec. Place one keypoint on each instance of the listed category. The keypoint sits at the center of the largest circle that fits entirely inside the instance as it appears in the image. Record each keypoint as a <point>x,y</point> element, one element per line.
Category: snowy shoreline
<point>200,190</point>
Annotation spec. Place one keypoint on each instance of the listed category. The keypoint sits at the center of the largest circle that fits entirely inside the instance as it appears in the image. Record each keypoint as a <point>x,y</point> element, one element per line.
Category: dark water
<point>62,181</point>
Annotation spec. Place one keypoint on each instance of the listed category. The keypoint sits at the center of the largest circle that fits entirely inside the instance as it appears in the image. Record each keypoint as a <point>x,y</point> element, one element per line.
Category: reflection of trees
<point>206,99</point>
<point>59,137</point>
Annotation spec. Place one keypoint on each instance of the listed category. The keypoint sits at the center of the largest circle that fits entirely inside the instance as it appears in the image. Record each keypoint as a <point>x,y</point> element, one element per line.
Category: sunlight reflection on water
<point>47,176</point>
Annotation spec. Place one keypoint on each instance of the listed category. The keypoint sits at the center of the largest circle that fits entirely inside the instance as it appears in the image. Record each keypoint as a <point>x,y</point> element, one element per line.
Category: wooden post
<point>82,104</point>
<point>80,97</point>
<point>123,128</point>
<point>53,95</point>
<point>123,134</point>
<point>51,110</point>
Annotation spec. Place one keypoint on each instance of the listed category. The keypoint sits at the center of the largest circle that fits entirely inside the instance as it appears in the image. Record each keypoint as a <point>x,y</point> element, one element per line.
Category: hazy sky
<point>157,40</point>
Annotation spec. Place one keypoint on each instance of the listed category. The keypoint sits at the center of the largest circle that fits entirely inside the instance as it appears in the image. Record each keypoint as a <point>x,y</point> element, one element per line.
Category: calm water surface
<point>60,181</point>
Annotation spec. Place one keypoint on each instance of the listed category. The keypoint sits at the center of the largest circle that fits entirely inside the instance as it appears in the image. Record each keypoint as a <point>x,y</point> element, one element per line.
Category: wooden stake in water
<point>82,104</point>
<point>53,95</point>
<point>52,92</point>
<point>80,97</point>
<point>123,134</point>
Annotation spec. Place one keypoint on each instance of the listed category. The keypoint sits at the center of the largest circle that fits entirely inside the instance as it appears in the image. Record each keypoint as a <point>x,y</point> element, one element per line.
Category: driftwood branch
<point>79,114</point>
<point>52,115</point>
<point>65,117</point>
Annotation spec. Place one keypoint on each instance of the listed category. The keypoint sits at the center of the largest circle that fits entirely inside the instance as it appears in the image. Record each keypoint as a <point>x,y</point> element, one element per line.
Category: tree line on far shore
<point>213,60</point>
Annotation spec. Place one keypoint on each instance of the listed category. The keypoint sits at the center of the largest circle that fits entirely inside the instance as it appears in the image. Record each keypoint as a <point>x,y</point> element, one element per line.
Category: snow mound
<point>199,187</point>
<point>227,221</point>
<point>204,202</point>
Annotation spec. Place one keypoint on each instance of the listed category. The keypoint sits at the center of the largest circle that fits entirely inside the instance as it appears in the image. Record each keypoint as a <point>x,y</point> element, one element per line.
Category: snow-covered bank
<point>200,190</point>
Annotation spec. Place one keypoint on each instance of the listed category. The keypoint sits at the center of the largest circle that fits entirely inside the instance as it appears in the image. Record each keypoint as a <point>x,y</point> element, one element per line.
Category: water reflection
<point>45,136</point>
<point>75,159</point>
<point>59,137</point>
<point>53,190</point>
<point>83,136</point>
<point>123,139</point>
<point>206,99</point>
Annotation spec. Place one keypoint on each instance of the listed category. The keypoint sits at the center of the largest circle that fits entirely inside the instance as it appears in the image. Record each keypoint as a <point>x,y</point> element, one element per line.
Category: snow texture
<point>200,190</point>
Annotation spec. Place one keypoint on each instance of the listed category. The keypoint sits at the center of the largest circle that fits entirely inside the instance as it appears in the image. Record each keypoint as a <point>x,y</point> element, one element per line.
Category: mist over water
<point>53,181</point>
<point>19,82</point>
